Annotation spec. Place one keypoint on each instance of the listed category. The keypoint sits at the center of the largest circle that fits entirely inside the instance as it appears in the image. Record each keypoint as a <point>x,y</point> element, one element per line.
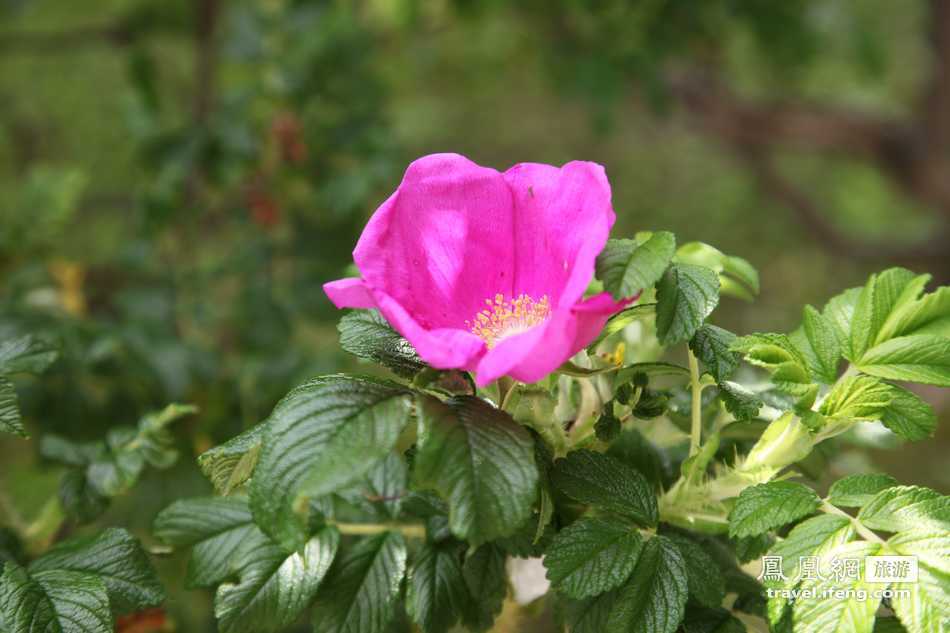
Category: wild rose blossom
<point>486,271</point>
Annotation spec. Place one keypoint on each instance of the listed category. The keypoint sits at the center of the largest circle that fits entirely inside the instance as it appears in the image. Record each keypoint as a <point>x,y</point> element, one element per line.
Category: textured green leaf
<point>26,354</point>
<point>771,505</point>
<point>927,607</point>
<point>321,437</point>
<point>115,557</point>
<point>274,586</point>
<point>928,315</point>
<point>53,602</point>
<point>931,547</point>
<point>80,500</point>
<point>859,398</point>
<point>818,342</point>
<point>739,401</point>
<point>229,465</point>
<point>591,556</point>
<point>737,276</point>
<point>591,614</point>
<point>903,508</point>
<point>908,415</point>
<point>703,577</point>
<point>366,334</point>
<point>856,490</point>
<point>481,462</point>
<point>844,615</point>
<point>711,345</point>
<point>622,319</point>
<point>436,593</point>
<point>627,267</point>
<point>654,599</point>
<point>10,410</point>
<point>606,483</point>
<point>360,592</point>
<point>487,582</point>
<point>839,311</point>
<point>879,297</point>
<point>923,358</point>
<point>215,528</point>
<point>685,296</point>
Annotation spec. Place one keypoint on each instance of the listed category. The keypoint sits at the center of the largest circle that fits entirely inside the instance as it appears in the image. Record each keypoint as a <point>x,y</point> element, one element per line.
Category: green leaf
<point>622,319</point>
<point>879,297</point>
<point>739,401</point>
<point>848,615</point>
<point>703,578</point>
<point>686,295</point>
<point>487,582</point>
<point>711,345</point>
<point>906,508</point>
<point>629,372</point>
<point>709,620</point>
<point>10,410</point>
<point>273,585</point>
<point>53,602</point>
<point>115,557</point>
<point>654,599</point>
<point>360,592</point>
<point>818,342</point>
<point>928,315</point>
<point>80,500</point>
<point>788,366</point>
<point>923,358</point>
<point>856,490</point>
<point>591,556</point>
<point>481,462</point>
<point>366,334</point>
<point>436,592</point>
<point>858,398</point>
<point>839,311</point>
<point>26,354</point>
<point>591,614</point>
<point>926,607</point>
<point>771,505</point>
<point>215,528</point>
<point>737,276</point>
<point>321,437</point>
<point>931,547</point>
<point>908,416</point>
<point>627,267</point>
<point>606,483</point>
<point>812,537</point>
<point>229,465</point>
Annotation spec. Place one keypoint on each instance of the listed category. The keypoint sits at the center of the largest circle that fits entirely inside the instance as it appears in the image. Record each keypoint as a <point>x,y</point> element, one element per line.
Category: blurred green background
<point>179,178</point>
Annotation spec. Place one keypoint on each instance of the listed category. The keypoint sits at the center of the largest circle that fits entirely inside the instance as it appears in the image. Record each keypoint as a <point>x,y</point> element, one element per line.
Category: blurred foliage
<point>180,177</point>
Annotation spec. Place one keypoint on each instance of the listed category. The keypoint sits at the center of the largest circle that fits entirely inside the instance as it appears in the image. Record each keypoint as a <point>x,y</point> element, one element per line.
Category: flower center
<point>507,317</point>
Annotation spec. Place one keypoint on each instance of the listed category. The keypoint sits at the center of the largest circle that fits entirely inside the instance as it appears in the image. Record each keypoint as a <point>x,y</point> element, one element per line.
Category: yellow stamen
<point>503,318</point>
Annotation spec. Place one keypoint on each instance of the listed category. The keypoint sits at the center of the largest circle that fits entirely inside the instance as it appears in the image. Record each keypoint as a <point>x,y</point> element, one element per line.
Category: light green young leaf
<point>26,354</point>
<point>903,508</point>
<point>913,314</point>
<point>925,608</point>
<point>274,586</point>
<point>229,465</point>
<point>366,334</point>
<point>591,556</point>
<point>858,398</point>
<point>877,300</point>
<point>771,505</point>
<point>856,490</point>
<point>908,416</point>
<point>931,547</point>
<point>923,358</point>
<point>839,311</point>
<point>322,437</point>
<point>436,592</point>
<point>53,602</point>
<point>481,462</point>
<point>115,557</point>
<point>215,528</point>
<point>686,295</point>
<point>819,344</point>
<point>737,276</point>
<point>847,615</point>
<point>788,366</point>
<point>360,591</point>
<point>654,599</point>
<point>711,345</point>
<point>627,267</point>
<point>606,483</point>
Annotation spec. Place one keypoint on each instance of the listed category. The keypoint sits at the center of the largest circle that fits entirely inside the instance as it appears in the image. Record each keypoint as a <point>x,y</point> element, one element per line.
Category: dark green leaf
<point>436,592</point>
<point>654,599</point>
<point>591,614</point>
<point>481,462</point>
<point>627,267</point>
<point>321,437</point>
<point>711,345</point>
<point>606,483</point>
<point>26,354</point>
<point>703,578</point>
<point>115,557</point>
<point>856,490</point>
<point>79,499</point>
<point>487,582</point>
<point>274,585</point>
<point>53,602</point>
<point>739,401</point>
<point>359,593</point>
<point>711,620</point>
<point>366,334</point>
<point>10,410</point>
<point>686,295</point>
<point>591,556</point>
<point>771,505</point>
<point>751,547</point>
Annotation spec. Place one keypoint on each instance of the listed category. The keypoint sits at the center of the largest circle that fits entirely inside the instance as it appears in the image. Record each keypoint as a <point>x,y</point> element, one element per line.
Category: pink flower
<point>486,271</point>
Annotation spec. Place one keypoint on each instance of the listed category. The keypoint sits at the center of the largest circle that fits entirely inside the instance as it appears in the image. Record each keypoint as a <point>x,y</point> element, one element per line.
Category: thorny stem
<point>409,530</point>
<point>858,526</point>
<point>696,429</point>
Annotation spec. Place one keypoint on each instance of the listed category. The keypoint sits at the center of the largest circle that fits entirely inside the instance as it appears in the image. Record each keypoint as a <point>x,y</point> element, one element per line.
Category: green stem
<point>696,429</point>
<point>409,530</point>
<point>867,534</point>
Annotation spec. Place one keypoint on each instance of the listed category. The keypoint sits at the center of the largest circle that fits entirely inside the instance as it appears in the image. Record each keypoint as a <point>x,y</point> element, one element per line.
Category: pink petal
<point>562,221</point>
<point>351,292</point>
